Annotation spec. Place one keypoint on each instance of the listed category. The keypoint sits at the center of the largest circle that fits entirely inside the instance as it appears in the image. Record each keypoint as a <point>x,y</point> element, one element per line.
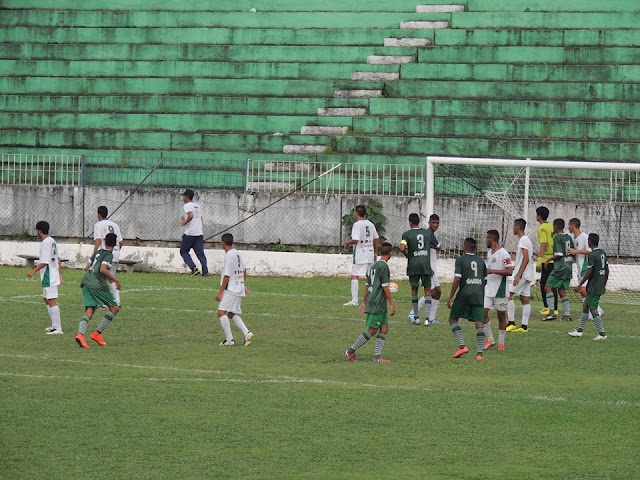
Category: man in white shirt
<point>581,250</point>
<point>192,237</point>
<point>365,241</point>
<point>232,290</point>
<point>499,267</point>
<point>49,267</point>
<point>101,228</point>
<point>524,275</point>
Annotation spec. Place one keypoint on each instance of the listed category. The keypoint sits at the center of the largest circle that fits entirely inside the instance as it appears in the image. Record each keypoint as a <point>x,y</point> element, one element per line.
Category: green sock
<point>380,339</point>
<point>480,340</point>
<point>551,301</point>
<point>457,332</point>
<point>82,328</point>
<point>598,321</point>
<point>583,320</point>
<point>427,307</point>
<point>106,320</point>
<point>566,306</point>
<point>362,339</point>
<point>416,308</point>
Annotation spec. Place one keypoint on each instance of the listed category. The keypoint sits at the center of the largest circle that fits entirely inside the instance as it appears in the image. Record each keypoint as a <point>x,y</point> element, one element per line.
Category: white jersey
<point>365,232</point>
<point>432,260</point>
<point>234,269</point>
<point>49,275</point>
<point>497,284</point>
<point>100,231</point>
<point>581,242</point>
<point>194,227</point>
<point>529,273</point>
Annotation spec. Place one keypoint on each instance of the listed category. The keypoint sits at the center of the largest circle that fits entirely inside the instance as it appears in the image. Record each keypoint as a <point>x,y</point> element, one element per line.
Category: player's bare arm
<point>403,248</point>
<point>350,242</point>
<point>376,245</point>
<point>364,299</point>
<point>246,290</point>
<point>551,259</point>
<point>505,272</point>
<point>454,289</point>
<point>186,220</point>
<point>387,293</point>
<point>223,287</point>
<point>104,269</point>
<point>96,246</point>
<point>37,268</point>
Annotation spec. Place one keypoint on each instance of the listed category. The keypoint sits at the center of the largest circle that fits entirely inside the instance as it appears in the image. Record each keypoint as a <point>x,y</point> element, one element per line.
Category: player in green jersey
<point>374,304</point>
<point>597,274</point>
<point>97,292</point>
<point>416,245</point>
<point>470,278</point>
<point>560,277</point>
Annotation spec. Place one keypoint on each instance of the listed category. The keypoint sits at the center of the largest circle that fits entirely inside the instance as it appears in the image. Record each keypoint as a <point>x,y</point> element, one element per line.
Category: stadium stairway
<point>340,81</point>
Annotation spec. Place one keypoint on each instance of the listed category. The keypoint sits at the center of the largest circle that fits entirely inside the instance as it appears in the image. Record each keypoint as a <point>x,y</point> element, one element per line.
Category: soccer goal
<point>473,195</point>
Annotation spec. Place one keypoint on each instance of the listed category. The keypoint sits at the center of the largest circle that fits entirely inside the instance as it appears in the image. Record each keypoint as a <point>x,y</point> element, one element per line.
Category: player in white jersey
<point>523,276</point>
<point>365,241</point>
<point>499,267</point>
<point>100,230</point>
<point>581,250</point>
<point>232,290</point>
<point>49,267</point>
<point>436,292</point>
<point>193,234</point>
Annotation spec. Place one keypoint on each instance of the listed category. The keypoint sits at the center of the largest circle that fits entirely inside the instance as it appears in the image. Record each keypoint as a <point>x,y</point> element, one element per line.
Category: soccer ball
<point>393,287</point>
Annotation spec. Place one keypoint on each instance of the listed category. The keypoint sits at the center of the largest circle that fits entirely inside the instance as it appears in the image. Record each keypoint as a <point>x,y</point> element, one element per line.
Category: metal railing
<point>46,170</point>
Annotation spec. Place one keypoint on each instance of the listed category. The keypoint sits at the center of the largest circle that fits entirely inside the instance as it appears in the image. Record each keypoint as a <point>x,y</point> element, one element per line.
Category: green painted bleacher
<point>216,83</point>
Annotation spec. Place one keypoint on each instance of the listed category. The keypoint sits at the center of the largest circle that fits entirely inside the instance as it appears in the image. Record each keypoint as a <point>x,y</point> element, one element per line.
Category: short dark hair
<point>594,239</point>
<point>189,194</point>
<point>494,235</point>
<point>543,212</point>
<point>385,249</point>
<point>434,217</point>
<point>110,239</point>
<point>521,223</point>
<point>103,211</point>
<point>575,222</point>
<point>361,210</point>
<point>471,243</point>
<point>43,227</point>
<point>559,223</point>
<point>227,239</point>
<point>414,219</point>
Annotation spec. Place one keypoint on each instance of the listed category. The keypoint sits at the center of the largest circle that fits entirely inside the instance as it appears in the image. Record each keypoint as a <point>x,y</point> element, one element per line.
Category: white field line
<point>297,380</point>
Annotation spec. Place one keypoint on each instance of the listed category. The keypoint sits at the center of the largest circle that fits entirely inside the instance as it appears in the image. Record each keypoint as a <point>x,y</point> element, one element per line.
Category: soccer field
<point>163,400</point>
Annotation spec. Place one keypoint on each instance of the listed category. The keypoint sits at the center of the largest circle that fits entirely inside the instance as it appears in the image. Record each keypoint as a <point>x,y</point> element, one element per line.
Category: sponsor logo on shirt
<point>474,281</point>
<point>421,253</point>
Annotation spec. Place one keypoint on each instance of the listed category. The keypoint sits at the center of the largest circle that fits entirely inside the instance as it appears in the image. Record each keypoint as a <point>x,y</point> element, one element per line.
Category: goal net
<point>472,196</point>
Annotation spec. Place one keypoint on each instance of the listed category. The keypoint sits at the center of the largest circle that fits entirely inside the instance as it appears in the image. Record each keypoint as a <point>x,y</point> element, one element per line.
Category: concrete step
<point>315,130</point>
<point>423,25</point>
<point>406,42</point>
<point>342,112</point>
<point>375,76</point>
<point>304,149</point>
<point>439,8</point>
<point>357,93</point>
<point>390,59</point>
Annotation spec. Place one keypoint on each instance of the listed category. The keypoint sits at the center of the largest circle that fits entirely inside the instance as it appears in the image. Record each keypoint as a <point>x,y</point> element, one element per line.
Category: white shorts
<point>523,288</point>
<point>114,268</point>
<point>498,304</point>
<point>435,281</point>
<point>361,269</point>
<point>50,292</point>
<point>230,302</point>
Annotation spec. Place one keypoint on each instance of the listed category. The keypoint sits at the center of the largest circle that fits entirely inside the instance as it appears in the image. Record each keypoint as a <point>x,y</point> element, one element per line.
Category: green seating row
<point>536,20</point>
<point>518,37</point>
<point>552,5</point>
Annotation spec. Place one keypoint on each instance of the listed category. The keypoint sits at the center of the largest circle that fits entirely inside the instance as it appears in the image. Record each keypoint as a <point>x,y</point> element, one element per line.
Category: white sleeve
<point>117,232</point>
<point>97,231</point>
<point>375,231</point>
<point>228,268</point>
<point>188,207</point>
<point>355,232</point>
<point>45,252</point>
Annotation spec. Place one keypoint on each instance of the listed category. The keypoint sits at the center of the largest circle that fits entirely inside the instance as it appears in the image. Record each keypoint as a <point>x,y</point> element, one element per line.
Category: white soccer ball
<point>393,287</point>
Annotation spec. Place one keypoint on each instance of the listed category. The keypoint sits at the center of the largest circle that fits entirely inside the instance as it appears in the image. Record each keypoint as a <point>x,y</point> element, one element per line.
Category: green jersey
<point>94,279</point>
<point>563,267</point>
<point>472,272</point>
<point>597,261</point>
<point>377,278</point>
<point>419,242</point>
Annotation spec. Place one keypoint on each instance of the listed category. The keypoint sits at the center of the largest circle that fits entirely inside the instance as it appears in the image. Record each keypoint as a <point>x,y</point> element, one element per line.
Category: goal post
<point>473,195</point>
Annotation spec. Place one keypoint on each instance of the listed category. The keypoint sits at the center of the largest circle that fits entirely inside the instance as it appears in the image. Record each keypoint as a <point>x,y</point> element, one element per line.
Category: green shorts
<point>375,320</point>
<point>414,280</point>
<point>473,313</point>
<point>554,282</point>
<point>96,298</point>
<point>592,302</point>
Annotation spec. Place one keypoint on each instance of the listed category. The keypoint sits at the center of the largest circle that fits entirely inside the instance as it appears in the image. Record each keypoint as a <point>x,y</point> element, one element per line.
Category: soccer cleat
<point>49,329</point>
<point>381,360</point>
<point>351,303</point>
<point>97,337</point>
<point>545,311</point>
<point>434,321</point>
<point>521,330</point>
<point>427,323</point>
<point>488,344</point>
<point>54,332</point>
<point>511,328</point>
<point>549,318</point>
<point>479,357</point>
<point>501,347</point>
<point>81,341</point>
<point>194,272</point>
<point>460,352</point>
<point>600,337</point>
<point>574,333</point>
<point>248,339</point>
<point>350,356</point>
<point>416,321</point>
<point>566,318</point>
<point>230,343</point>
<point>410,315</point>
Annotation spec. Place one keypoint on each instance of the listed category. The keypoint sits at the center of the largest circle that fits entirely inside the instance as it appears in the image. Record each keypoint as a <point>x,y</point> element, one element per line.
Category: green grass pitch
<point>163,400</point>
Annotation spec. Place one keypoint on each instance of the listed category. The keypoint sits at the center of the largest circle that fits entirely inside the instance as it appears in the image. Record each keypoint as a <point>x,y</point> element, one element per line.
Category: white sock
<point>487,331</point>
<point>224,321</point>
<point>240,324</point>
<point>354,291</point>
<point>422,302</point>
<point>50,315</point>
<point>511,311</point>
<point>434,307</point>
<point>526,311</point>
<point>501,336</point>
<point>116,293</point>
<point>54,313</point>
